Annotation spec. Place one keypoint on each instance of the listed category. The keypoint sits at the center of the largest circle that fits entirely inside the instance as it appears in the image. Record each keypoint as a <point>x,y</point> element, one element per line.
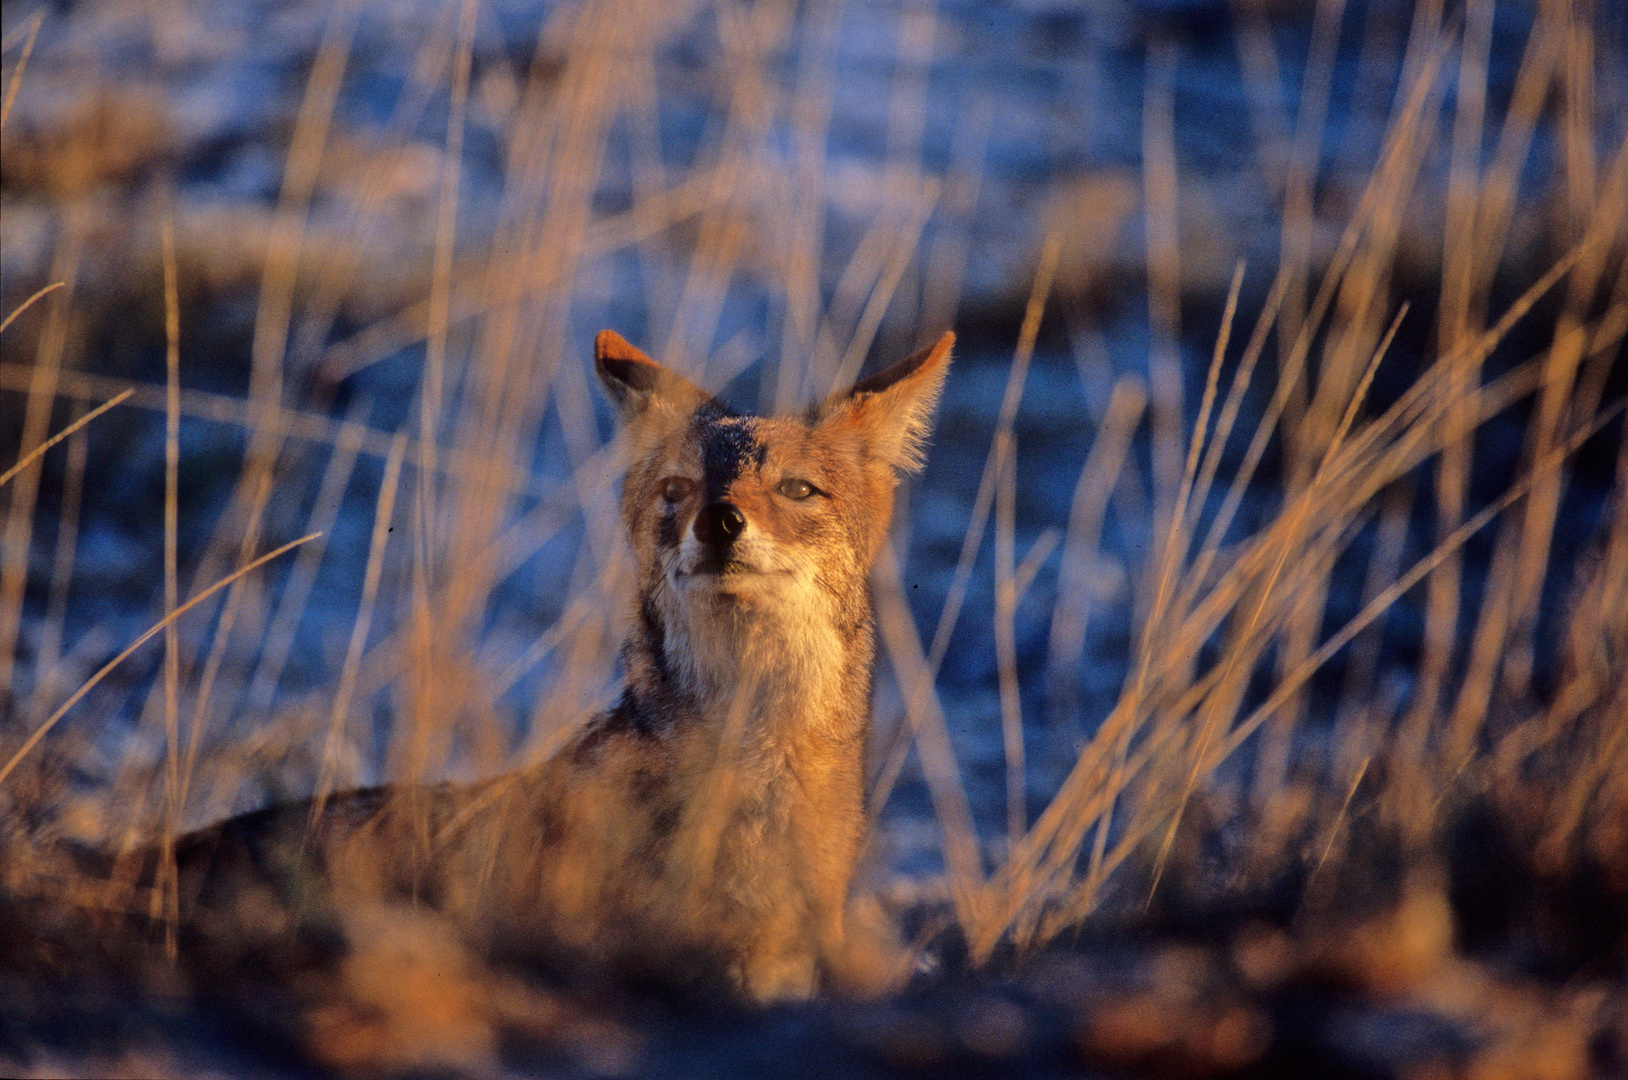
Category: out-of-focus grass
<point>1222,740</point>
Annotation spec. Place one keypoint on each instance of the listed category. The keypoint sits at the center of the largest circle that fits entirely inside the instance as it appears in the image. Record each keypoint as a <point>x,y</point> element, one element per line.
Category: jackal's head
<point>754,532</point>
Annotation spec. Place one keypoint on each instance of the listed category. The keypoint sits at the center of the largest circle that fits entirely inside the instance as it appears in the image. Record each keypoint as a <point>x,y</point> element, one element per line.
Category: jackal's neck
<point>767,676</point>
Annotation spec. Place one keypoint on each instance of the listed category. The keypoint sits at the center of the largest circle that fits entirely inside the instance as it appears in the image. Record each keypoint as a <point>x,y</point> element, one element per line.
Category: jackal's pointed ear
<point>893,409</point>
<point>634,382</point>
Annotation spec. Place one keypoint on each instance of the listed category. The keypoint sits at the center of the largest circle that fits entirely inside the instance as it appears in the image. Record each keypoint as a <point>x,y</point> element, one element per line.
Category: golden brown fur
<point>716,810</point>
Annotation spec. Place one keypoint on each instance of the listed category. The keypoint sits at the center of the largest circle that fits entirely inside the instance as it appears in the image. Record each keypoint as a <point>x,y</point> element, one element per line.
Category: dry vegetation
<point>1439,830</point>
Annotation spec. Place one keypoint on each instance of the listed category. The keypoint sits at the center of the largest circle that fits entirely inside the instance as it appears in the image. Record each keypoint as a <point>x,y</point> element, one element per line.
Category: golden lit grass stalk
<point>803,221</point>
<point>1500,638</point>
<point>1384,450</point>
<point>30,31</point>
<point>204,681</point>
<point>1122,726</point>
<point>1454,324</point>
<point>906,239</point>
<point>1173,547</point>
<point>481,291</point>
<point>964,860</point>
<point>926,727</point>
<point>1357,293</point>
<point>1300,171</point>
<point>1162,237</point>
<point>40,386</point>
<point>369,205</point>
<point>296,591</point>
<point>25,305</point>
<point>1099,476</point>
<point>1597,785</point>
<point>391,657</point>
<point>1422,397</point>
<point>435,356</point>
<point>1604,232</point>
<point>35,454</point>
<point>1175,544</point>
<point>289,227</point>
<point>426,525</point>
<point>1418,572</point>
<point>1275,754</point>
<point>343,434</point>
<point>1357,727</point>
<point>52,631</point>
<point>556,143</point>
<point>175,773</point>
<point>1011,583</point>
<point>383,515</point>
<point>1088,506</point>
<point>239,527</point>
<point>1388,185</point>
<point>1501,648</point>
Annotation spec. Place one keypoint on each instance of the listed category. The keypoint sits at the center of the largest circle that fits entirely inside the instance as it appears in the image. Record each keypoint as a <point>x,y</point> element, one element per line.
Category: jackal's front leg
<point>780,963</point>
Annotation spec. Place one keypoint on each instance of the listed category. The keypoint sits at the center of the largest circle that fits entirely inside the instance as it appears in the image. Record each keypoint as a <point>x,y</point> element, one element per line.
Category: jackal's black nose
<point>718,524</point>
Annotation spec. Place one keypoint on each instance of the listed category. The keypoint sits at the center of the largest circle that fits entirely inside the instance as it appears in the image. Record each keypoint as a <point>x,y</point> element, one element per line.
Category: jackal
<point>716,810</point>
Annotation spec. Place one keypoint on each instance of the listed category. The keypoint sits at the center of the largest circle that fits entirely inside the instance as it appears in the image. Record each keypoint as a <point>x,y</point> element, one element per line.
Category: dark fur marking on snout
<point>726,451</point>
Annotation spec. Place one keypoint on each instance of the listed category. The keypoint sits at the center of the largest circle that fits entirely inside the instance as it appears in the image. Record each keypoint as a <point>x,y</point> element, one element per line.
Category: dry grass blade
<point>1098,477</point>
<point>33,455</point>
<point>1012,581</point>
<point>54,632</point>
<point>440,303</point>
<point>26,304</point>
<point>175,773</point>
<point>30,30</point>
<point>1176,541</point>
<point>1339,818</point>
<point>296,593</point>
<point>383,514</point>
<point>1161,232</point>
<point>904,249</point>
<point>930,735</point>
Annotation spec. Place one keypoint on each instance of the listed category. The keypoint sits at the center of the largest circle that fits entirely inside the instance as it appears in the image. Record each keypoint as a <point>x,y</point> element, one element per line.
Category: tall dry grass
<point>431,676</point>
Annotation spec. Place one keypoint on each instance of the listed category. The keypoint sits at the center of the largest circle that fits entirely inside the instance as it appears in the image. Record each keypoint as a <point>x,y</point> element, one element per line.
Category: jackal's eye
<point>793,488</point>
<point>677,489</point>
